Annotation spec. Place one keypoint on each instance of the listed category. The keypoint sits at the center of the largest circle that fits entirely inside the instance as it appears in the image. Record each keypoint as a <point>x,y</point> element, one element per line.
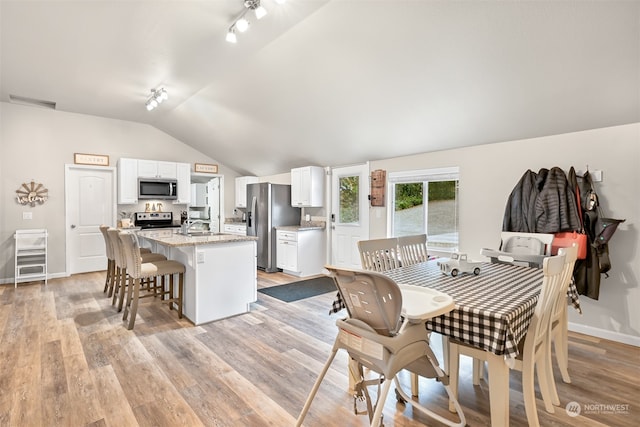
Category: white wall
<point>36,143</point>
<point>488,173</point>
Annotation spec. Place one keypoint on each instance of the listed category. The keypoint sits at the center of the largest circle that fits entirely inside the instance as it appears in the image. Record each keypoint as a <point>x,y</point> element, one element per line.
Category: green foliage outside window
<point>411,194</point>
<point>349,199</point>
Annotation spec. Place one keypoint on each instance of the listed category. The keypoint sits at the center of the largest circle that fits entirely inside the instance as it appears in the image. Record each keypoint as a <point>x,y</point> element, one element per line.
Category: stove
<point>146,220</point>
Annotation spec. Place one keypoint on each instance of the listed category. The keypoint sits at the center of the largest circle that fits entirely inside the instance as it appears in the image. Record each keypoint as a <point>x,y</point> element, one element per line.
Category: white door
<point>349,214</point>
<point>214,197</point>
<point>89,203</point>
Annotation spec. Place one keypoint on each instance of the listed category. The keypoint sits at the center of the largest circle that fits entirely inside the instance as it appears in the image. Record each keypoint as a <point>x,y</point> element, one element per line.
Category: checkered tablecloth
<point>492,310</point>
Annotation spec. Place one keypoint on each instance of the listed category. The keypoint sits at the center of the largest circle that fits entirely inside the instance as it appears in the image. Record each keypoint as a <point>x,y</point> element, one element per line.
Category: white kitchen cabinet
<point>157,169</point>
<point>129,170</point>
<point>127,181</point>
<point>239,229</point>
<point>300,253</point>
<point>307,186</point>
<point>183,176</point>
<point>199,195</point>
<point>287,250</point>
<point>241,189</point>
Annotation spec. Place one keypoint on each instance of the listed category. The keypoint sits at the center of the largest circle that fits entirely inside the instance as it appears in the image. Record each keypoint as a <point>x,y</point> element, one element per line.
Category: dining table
<point>492,312</point>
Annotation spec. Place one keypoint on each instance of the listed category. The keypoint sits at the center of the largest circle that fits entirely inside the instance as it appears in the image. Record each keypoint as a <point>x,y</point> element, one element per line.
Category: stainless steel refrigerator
<point>269,206</point>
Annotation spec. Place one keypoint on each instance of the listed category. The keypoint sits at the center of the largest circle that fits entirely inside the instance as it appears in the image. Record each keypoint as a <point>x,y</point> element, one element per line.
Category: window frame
<point>425,176</point>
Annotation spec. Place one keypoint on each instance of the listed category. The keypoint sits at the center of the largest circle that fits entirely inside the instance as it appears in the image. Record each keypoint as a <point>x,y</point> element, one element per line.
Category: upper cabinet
<point>129,170</point>
<point>307,187</point>
<point>157,169</point>
<point>183,176</point>
<point>127,181</point>
<point>241,189</point>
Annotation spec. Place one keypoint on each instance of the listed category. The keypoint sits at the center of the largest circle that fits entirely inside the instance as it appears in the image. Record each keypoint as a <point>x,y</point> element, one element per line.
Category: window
<point>349,199</point>
<point>425,201</point>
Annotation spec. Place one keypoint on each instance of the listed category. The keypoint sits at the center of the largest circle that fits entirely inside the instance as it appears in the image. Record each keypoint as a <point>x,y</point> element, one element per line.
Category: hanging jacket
<point>520,213</point>
<point>542,202</point>
<point>556,209</point>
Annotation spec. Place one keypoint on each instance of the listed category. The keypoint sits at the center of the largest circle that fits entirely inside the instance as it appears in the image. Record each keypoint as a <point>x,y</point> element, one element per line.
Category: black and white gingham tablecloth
<point>492,310</point>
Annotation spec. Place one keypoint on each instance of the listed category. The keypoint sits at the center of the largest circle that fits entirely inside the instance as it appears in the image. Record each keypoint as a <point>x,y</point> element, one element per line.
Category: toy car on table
<point>458,263</point>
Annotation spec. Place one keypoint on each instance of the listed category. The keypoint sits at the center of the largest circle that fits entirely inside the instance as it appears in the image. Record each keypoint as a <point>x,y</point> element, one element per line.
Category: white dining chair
<point>534,355</point>
<point>413,249</point>
<point>379,254</point>
<point>559,320</point>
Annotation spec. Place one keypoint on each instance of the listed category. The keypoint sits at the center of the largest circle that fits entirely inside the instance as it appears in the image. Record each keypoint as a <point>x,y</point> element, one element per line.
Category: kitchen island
<point>221,272</point>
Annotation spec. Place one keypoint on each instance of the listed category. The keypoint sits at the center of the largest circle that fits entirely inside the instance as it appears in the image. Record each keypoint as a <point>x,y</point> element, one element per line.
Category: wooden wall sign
<point>90,159</point>
<point>205,168</point>
<point>378,178</point>
<point>32,193</point>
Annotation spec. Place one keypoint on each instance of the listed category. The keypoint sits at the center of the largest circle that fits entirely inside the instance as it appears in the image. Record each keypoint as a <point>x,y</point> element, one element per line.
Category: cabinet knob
<point>73,226</point>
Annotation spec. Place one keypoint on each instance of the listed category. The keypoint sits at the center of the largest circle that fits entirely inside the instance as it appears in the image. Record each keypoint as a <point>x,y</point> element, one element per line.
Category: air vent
<point>22,100</point>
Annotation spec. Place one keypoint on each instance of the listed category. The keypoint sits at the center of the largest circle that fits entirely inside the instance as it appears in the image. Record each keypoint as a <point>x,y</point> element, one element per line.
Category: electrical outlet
<point>200,257</point>
<point>27,215</point>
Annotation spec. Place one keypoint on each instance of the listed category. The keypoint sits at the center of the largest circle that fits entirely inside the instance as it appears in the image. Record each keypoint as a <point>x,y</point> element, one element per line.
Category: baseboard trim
<point>11,280</point>
<point>604,334</point>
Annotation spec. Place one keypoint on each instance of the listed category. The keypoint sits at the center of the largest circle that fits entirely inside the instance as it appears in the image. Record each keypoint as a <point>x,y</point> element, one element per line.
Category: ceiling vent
<point>22,100</point>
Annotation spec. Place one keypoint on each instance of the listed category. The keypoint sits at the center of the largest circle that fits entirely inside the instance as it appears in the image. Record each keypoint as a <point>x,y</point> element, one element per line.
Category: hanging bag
<point>565,239</point>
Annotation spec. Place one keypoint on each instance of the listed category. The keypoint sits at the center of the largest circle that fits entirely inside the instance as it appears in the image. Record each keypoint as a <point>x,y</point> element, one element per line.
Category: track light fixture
<point>156,98</point>
<point>241,23</point>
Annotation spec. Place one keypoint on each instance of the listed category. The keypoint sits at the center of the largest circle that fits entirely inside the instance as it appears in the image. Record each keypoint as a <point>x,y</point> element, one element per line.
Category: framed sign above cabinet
<point>205,168</point>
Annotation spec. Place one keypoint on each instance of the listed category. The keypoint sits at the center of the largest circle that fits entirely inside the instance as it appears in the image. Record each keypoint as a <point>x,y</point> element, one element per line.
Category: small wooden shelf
<point>31,255</point>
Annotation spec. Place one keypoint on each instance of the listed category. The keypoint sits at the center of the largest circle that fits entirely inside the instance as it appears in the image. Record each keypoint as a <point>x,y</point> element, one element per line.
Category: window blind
<point>439,174</point>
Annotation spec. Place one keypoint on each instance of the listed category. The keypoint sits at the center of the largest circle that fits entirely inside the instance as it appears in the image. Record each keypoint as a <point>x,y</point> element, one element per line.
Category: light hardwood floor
<point>66,359</point>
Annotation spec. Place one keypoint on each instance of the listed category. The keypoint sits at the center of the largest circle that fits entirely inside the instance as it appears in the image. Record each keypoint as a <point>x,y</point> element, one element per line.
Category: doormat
<point>302,289</point>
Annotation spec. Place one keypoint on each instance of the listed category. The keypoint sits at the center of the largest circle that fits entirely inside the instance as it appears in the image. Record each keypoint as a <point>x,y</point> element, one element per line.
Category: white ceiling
<point>331,82</point>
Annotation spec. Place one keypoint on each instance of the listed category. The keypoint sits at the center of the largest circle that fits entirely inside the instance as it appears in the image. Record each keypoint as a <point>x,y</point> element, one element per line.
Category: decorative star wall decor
<point>30,194</point>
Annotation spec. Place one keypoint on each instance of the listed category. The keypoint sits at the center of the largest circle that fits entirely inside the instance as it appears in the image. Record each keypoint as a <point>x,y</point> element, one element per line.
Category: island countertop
<point>173,239</point>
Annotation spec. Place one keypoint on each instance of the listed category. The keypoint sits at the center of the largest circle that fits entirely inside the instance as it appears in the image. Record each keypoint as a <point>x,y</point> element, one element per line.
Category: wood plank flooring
<point>66,359</point>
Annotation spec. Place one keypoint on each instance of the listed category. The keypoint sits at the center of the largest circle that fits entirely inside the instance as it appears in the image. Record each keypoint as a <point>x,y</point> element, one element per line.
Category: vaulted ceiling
<point>319,82</point>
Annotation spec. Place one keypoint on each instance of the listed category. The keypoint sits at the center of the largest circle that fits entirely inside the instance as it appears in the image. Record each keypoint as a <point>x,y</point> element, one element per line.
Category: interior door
<point>349,214</point>
<point>89,202</point>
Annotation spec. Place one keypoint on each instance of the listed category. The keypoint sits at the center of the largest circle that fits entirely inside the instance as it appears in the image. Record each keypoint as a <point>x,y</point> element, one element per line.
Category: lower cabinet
<point>300,253</point>
<point>239,229</point>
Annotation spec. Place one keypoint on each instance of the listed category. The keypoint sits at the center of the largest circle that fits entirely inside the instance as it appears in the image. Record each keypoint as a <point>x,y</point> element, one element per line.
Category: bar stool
<point>120,275</point>
<point>139,270</point>
<point>111,261</point>
<point>112,273</point>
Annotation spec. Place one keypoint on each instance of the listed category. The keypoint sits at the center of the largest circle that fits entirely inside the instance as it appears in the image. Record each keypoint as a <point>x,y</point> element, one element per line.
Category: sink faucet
<point>186,226</point>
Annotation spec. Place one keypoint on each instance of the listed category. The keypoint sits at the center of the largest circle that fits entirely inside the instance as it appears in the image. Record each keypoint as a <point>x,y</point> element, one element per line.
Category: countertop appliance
<point>269,206</point>
<point>157,188</point>
<point>146,220</point>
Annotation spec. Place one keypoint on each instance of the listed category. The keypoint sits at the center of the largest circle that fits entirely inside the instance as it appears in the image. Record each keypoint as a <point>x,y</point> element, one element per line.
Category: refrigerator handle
<point>251,212</point>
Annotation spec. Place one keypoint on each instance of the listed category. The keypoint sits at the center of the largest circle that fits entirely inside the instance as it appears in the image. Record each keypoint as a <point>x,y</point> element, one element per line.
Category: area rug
<point>302,289</point>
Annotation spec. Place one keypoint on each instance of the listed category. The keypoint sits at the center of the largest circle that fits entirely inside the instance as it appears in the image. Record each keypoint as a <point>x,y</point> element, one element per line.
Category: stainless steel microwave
<point>157,188</point>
